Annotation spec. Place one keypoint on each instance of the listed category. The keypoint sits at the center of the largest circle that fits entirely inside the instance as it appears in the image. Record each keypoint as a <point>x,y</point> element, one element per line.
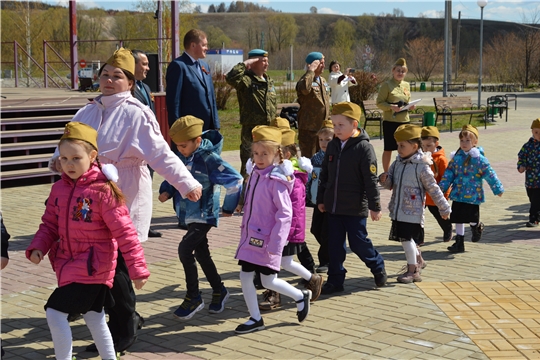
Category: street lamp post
<point>482,4</point>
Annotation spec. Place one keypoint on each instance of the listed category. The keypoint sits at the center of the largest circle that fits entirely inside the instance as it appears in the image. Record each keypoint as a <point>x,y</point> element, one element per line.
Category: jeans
<point>194,245</point>
<point>353,227</point>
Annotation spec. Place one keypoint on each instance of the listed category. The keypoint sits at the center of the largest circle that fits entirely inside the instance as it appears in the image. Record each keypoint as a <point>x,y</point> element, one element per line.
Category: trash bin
<point>429,119</point>
<point>422,86</point>
<point>290,76</point>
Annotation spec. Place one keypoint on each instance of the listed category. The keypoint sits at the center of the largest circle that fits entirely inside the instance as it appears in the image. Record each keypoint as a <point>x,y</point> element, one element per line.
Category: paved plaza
<point>481,304</point>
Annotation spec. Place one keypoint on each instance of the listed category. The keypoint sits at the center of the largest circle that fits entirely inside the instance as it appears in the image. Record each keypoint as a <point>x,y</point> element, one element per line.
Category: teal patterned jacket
<point>466,177</point>
<point>529,156</point>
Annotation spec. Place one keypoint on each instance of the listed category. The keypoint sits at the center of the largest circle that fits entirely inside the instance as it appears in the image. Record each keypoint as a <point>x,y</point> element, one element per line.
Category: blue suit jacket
<point>189,94</point>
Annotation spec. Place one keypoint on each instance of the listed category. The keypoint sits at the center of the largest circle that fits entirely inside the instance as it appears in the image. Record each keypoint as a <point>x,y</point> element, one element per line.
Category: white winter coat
<point>129,137</point>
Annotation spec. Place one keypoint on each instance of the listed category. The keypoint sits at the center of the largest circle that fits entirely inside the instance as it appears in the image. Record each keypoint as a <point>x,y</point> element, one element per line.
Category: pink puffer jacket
<point>297,233</point>
<point>82,228</point>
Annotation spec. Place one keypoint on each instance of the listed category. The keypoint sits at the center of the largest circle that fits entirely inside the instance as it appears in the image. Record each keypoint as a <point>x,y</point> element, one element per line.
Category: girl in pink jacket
<point>296,240</point>
<point>265,226</point>
<point>85,222</point>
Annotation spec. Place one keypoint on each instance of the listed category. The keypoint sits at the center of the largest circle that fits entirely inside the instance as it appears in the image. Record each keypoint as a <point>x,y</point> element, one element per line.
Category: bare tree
<point>313,10</point>
<point>531,37</point>
<point>423,56</point>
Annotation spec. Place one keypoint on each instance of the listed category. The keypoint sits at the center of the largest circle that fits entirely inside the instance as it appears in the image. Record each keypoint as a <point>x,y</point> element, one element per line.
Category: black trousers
<point>534,198</point>
<point>446,225</point>
<point>121,315</point>
<point>194,245</point>
<point>319,229</point>
<point>305,258</point>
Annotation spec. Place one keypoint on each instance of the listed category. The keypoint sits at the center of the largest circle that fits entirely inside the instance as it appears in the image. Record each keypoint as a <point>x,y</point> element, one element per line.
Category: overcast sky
<point>509,10</point>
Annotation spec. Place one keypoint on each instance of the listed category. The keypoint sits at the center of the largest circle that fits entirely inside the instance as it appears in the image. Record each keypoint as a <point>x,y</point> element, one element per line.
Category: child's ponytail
<point>118,195</point>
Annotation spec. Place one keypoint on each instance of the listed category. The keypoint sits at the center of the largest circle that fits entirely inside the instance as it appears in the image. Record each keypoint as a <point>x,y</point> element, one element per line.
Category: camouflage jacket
<point>256,95</point>
<point>314,101</point>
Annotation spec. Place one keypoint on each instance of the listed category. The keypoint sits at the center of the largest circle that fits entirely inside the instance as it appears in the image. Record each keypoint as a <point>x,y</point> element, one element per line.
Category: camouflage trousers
<point>308,142</point>
<point>246,139</point>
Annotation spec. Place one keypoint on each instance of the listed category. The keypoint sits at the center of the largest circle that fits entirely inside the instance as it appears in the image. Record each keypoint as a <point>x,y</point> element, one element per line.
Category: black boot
<point>459,245</point>
<point>477,232</point>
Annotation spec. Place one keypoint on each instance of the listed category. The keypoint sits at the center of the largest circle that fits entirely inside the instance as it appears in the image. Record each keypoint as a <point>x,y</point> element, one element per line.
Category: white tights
<point>62,339</point>
<point>270,282</point>
<point>290,265</point>
<point>410,251</point>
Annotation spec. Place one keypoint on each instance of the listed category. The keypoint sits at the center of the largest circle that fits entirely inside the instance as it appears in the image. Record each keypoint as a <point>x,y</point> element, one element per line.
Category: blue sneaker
<point>189,307</point>
<point>218,301</point>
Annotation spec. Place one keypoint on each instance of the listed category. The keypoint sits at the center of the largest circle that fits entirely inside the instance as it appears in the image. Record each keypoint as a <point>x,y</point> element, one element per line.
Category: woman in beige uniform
<point>393,96</point>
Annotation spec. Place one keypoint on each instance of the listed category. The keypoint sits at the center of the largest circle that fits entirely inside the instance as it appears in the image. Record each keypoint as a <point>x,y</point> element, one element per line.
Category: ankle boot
<point>315,285</point>
<point>412,275</point>
<point>477,232</point>
<point>272,300</point>
<point>459,245</point>
<point>420,261</point>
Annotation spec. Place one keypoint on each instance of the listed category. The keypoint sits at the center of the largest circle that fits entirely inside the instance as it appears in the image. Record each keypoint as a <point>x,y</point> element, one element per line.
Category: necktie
<point>199,70</point>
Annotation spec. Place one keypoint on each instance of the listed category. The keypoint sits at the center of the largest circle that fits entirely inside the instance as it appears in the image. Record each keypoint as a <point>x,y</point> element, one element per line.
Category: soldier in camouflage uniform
<point>312,90</point>
<point>256,97</point>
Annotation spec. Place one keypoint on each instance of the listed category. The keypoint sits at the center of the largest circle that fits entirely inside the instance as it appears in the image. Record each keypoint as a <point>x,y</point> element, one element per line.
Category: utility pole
<point>449,43</point>
<point>457,44</point>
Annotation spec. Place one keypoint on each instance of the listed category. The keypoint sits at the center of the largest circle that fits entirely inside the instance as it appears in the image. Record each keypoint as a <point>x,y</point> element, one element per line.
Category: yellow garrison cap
<point>536,124</point>
<point>407,132</point>
<point>287,137</point>
<point>327,124</point>
<point>186,128</point>
<point>430,131</point>
<point>401,62</point>
<point>281,123</point>
<point>266,133</point>
<point>472,129</point>
<point>348,109</point>
<point>123,59</point>
<point>80,131</point>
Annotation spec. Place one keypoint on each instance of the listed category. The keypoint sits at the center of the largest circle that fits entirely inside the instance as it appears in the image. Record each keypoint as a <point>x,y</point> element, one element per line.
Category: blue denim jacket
<point>208,168</point>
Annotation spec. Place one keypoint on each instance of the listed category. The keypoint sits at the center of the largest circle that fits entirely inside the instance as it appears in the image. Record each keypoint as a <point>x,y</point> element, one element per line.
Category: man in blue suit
<point>190,90</point>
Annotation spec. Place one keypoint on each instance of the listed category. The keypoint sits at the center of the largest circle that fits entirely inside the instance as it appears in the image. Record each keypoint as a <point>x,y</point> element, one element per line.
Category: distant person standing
<point>393,96</point>
<point>190,90</point>
<point>256,98</point>
<point>312,90</point>
<point>142,93</point>
<point>340,83</point>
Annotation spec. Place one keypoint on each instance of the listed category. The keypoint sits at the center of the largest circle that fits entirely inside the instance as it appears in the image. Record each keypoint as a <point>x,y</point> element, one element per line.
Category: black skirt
<point>389,128</point>
<point>292,249</point>
<point>404,231</point>
<point>463,213</point>
<point>76,298</point>
<point>249,267</point>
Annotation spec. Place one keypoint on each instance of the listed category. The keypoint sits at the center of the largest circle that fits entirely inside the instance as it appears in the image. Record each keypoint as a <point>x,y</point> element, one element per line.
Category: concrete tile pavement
<point>476,305</point>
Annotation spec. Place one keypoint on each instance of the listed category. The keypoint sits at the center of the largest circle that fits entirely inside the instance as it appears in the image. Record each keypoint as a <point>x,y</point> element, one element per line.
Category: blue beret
<point>257,52</point>
<point>314,56</point>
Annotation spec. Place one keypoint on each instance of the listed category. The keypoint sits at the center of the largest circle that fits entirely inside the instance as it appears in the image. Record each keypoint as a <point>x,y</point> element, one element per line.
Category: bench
<point>450,86</point>
<point>457,105</point>
<point>371,112</point>
<point>27,159</point>
<point>511,97</point>
<point>28,173</point>
<point>498,104</point>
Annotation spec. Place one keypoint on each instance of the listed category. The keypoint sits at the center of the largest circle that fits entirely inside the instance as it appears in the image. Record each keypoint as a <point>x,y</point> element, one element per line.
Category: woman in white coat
<point>340,83</point>
<point>129,137</point>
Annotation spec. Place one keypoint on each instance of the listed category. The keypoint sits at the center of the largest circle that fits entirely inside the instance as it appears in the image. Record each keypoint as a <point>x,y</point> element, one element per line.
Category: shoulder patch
<point>373,169</point>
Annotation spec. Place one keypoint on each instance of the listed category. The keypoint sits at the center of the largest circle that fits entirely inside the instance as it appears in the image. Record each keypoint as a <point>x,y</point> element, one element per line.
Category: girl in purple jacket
<point>296,240</point>
<point>265,226</point>
<point>84,224</point>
